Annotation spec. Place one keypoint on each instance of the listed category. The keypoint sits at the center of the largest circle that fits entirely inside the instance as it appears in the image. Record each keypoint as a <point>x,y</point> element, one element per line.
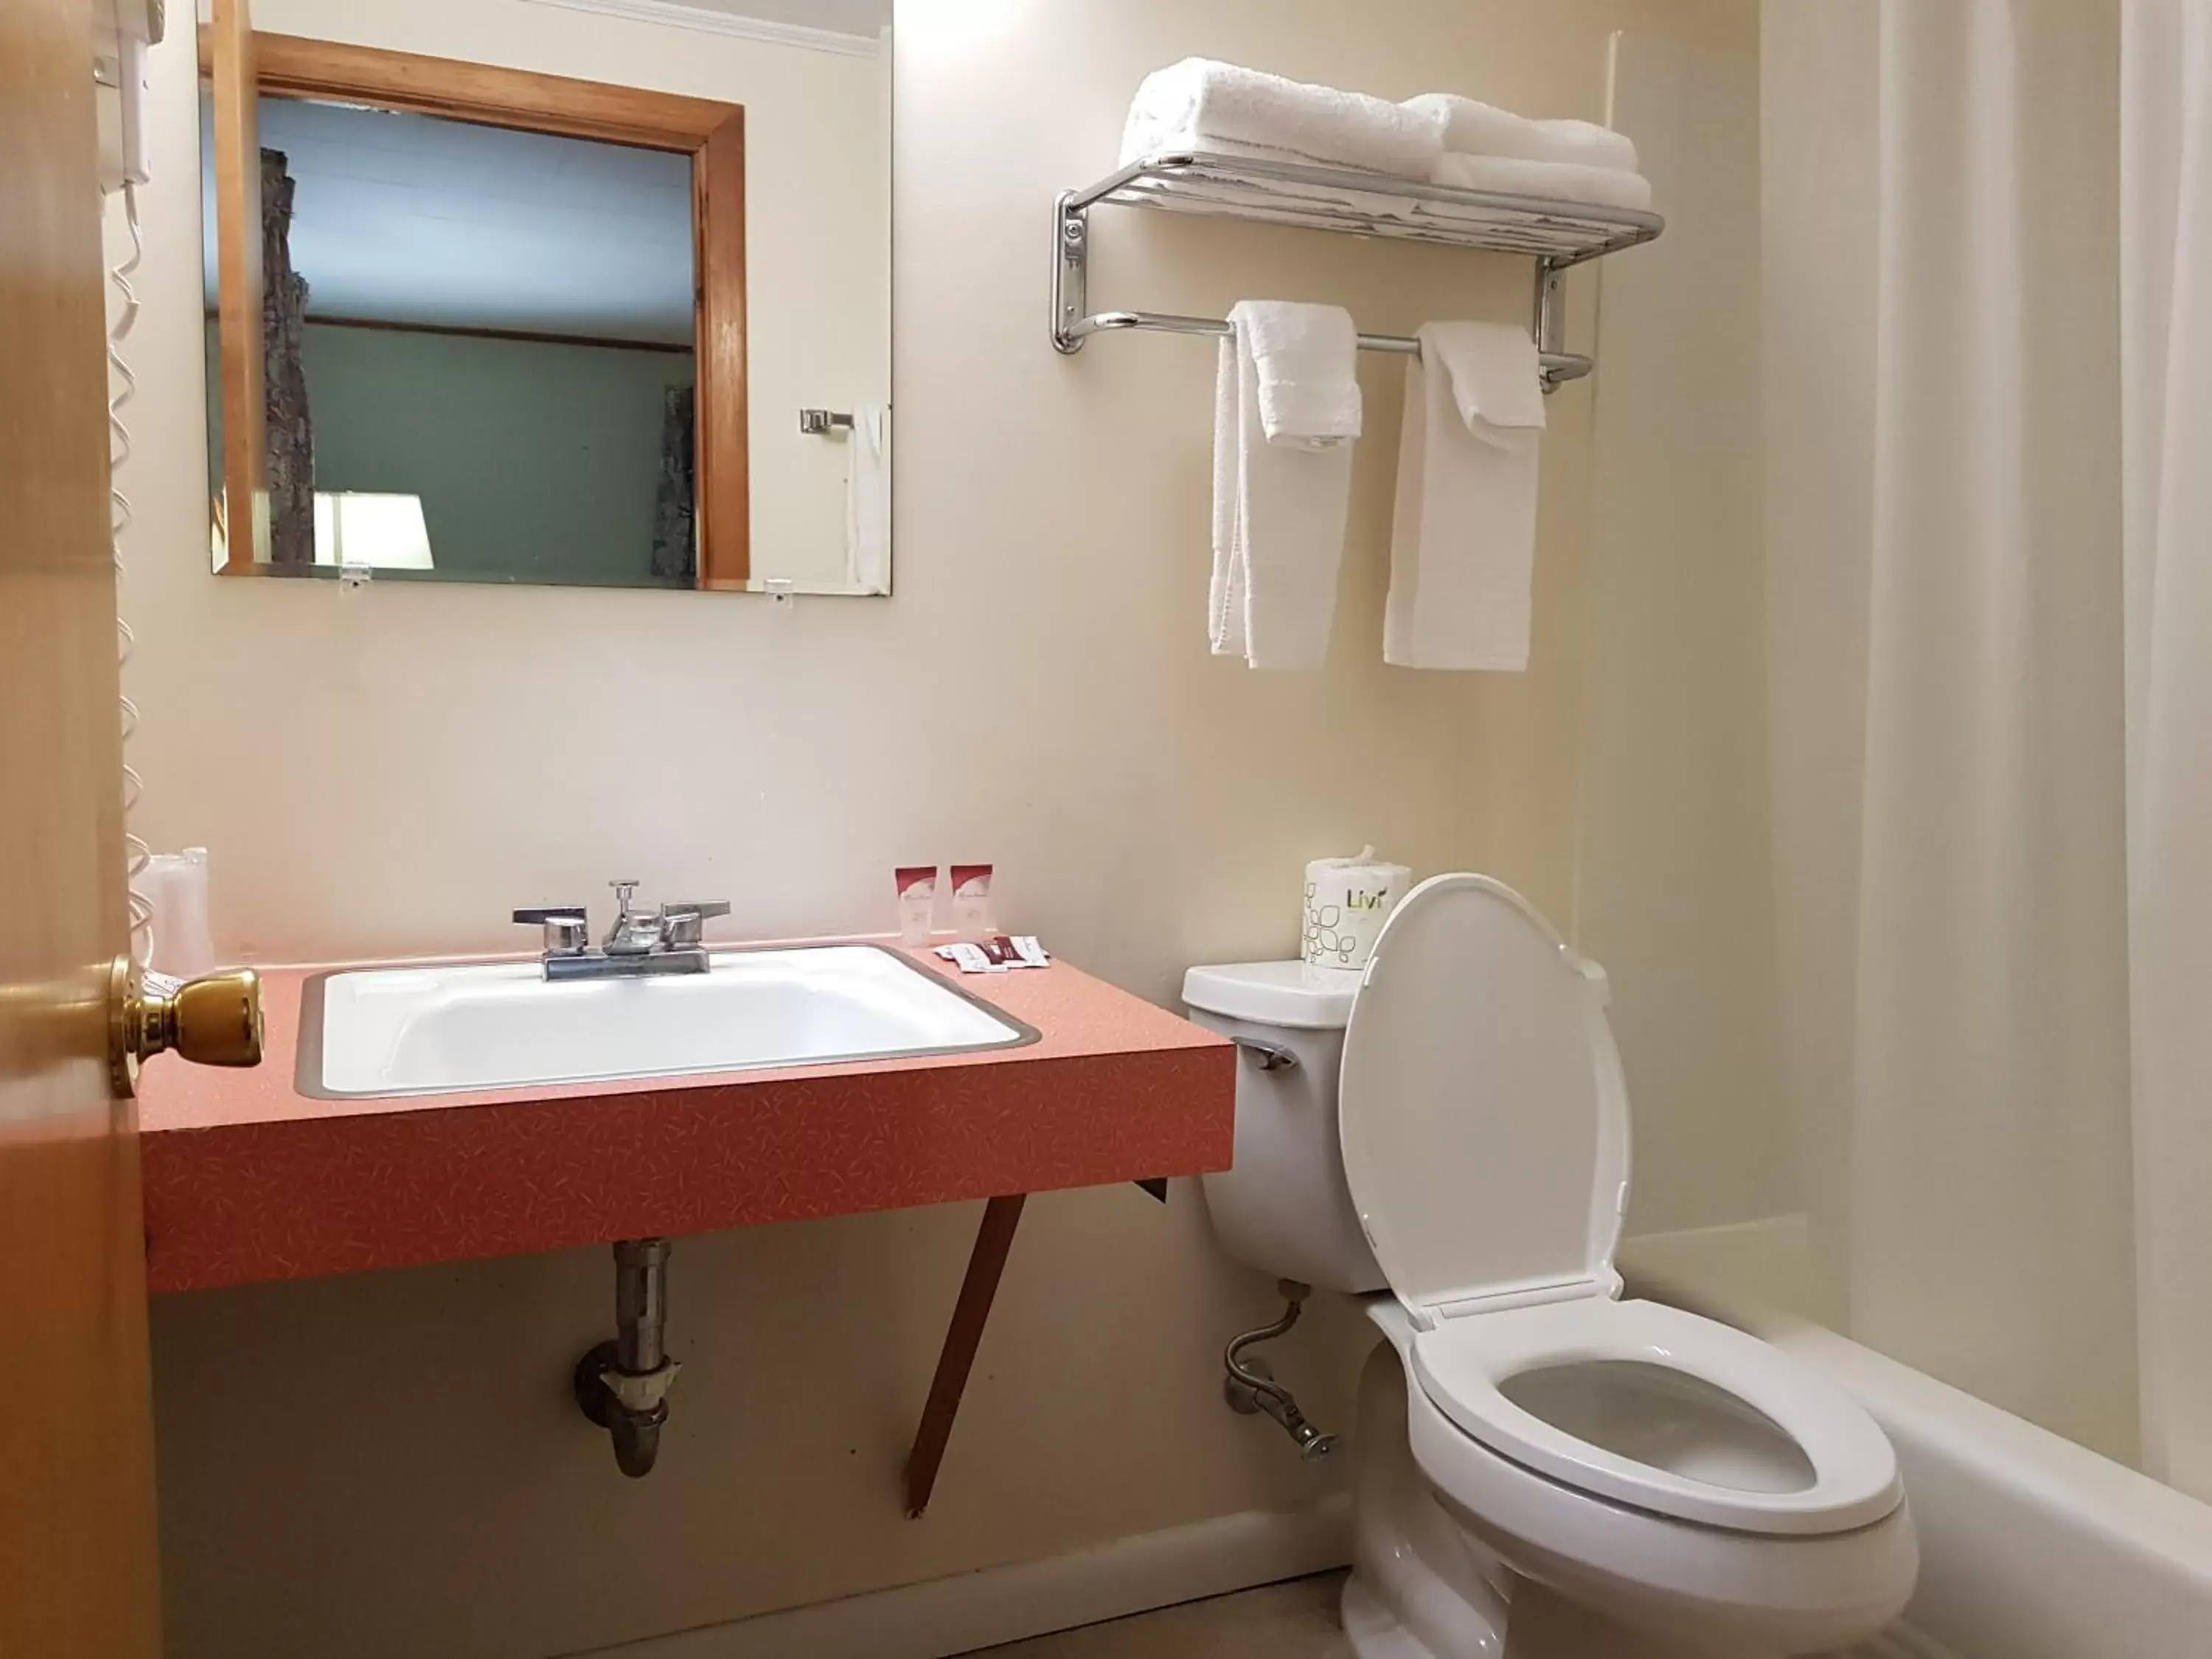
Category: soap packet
<point>995,956</point>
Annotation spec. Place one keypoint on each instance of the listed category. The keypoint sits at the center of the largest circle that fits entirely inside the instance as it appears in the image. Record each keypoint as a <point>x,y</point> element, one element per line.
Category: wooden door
<point>77,1459</point>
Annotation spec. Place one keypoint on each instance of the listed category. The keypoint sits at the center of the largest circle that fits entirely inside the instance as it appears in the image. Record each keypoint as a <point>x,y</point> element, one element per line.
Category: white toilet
<point>1542,1468</point>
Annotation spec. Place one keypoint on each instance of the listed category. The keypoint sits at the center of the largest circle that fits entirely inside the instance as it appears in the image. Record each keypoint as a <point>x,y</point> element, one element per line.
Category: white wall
<point>388,1463</point>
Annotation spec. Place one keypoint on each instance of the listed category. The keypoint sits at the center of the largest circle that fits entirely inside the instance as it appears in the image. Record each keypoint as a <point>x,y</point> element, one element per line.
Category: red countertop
<point>246,1179</point>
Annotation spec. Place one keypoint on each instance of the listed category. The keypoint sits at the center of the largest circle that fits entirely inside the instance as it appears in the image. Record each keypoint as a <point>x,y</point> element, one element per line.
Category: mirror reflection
<point>479,353</point>
<point>478,350</point>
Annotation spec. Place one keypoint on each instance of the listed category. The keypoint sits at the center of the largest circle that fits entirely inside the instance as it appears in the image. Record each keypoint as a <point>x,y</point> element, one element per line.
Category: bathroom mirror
<point>468,323</point>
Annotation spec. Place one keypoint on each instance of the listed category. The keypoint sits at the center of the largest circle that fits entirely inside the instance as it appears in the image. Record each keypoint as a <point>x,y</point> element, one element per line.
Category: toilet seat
<point>1465,1365</point>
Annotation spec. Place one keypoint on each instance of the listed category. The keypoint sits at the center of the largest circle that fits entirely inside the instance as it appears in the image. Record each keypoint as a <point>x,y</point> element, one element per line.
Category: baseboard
<point>944,1616</point>
<point>1901,1642</point>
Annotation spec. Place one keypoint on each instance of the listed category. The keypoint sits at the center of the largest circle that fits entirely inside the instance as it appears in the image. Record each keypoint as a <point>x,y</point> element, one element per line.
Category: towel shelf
<point>1557,235</point>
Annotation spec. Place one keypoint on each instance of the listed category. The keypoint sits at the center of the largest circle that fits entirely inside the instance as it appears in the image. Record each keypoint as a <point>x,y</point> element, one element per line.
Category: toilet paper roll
<point>1347,901</point>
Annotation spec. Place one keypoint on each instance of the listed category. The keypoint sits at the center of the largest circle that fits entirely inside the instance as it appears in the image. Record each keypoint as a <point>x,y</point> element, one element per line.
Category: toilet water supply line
<point>123,387</point>
<point>1252,1388</point>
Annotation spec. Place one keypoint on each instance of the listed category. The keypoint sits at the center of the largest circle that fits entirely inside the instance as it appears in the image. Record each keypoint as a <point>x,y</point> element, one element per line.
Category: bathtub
<point>2031,1547</point>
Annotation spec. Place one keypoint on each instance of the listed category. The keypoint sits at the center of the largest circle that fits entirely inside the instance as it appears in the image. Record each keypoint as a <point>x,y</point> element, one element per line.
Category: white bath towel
<point>1200,104</point>
<point>868,501</point>
<point>1275,199</point>
<point>1479,129</point>
<point>1557,181</point>
<point>1463,540</point>
<point>1280,503</point>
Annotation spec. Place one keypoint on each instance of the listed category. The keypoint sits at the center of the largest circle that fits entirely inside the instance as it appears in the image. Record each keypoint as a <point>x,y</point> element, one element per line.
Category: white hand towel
<point>1463,540</point>
<point>1225,597</point>
<point>1200,104</point>
<point>1279,511</point>
<point>868,501</point>
<point>1479,129</point>
<point>1305,358</point>
<point>1559,181</point>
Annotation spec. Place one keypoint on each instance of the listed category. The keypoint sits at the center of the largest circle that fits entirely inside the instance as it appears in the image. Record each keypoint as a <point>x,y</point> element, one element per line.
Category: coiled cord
<point>123,387</point>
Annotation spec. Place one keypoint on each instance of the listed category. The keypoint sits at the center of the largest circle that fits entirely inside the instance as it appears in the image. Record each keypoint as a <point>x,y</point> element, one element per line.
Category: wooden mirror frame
<point>242,64</point>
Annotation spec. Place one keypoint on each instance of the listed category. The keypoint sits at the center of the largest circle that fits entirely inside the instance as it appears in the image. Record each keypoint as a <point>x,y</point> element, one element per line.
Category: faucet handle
<point>680,924</point>
<point>705,909</point>
<point>568,930</point>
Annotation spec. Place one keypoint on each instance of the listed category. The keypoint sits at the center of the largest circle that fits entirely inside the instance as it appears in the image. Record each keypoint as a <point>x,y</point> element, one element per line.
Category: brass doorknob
<point>213,1020</point>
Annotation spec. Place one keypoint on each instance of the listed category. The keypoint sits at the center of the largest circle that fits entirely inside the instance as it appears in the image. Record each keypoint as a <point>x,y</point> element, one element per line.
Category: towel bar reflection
<point>1558,234</point>
<point>821,422</point>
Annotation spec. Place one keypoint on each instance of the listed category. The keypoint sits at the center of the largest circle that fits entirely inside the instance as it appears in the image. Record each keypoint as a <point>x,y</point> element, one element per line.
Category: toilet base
<point>1420,1588</point>
<point>1374,1631</point>
<point>1544,1627</point>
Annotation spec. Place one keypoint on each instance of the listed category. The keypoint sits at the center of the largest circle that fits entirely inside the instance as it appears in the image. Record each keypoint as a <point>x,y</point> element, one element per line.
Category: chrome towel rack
<point>1557,235</point>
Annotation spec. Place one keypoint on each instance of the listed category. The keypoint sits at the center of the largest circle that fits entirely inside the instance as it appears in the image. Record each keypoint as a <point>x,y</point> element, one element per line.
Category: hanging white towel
<point>1286,412</point>
<point>1480,129</point>
<point>1559,181</point>
<point>868,501</point>
<point>1200,104</point>
<point>1463,540</point>
<point>1305,360</point>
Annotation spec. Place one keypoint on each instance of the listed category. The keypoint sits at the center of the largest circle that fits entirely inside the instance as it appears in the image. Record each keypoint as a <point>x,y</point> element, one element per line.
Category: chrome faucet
<point>669,941</point>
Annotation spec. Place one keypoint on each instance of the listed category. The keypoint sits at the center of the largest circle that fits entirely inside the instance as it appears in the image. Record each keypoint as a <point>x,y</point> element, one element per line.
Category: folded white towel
<point>1200,104</point>
<point>1558,181</point>
<point>1280,503</point>
<point>1306,359</point>
<point>1479,129</point>
<point>1463,539</point>
<point>1274,199</point>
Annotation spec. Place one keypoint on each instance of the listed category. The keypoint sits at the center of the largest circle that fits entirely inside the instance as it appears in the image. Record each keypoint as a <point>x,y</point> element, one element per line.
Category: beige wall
<point>388,1463</point>
<point>1673,873</point>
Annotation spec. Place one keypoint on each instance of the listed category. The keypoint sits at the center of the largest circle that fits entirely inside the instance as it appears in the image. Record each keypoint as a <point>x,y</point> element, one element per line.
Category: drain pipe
<point>622,1385</point>
<point>1250,1388</point>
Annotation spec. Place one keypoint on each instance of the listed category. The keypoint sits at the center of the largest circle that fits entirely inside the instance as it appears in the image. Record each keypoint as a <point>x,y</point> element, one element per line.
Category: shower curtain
<point>2165,313</point>
<point>1988,388</point>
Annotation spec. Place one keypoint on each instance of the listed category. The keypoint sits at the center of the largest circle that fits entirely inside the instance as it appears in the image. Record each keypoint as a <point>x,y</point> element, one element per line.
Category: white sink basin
<point>503,1025</point>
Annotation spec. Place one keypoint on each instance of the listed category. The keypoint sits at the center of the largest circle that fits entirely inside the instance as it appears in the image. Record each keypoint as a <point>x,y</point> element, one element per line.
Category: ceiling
<point>410,219</point>
<point>862,17</point>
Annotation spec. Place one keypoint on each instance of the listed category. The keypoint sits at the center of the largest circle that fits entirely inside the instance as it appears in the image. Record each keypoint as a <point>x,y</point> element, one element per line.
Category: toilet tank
<point>1283,1207</point>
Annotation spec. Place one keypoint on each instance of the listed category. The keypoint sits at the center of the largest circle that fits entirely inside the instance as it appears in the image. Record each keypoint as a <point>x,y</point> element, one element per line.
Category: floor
<point>1294,1620</point>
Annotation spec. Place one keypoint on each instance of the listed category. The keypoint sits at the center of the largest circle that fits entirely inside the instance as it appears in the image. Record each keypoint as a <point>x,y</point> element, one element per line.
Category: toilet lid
<point>1482,1112</point>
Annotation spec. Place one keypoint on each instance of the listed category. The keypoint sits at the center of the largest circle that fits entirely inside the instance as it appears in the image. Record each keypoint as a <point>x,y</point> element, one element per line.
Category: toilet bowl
<point>1543,1469</point>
